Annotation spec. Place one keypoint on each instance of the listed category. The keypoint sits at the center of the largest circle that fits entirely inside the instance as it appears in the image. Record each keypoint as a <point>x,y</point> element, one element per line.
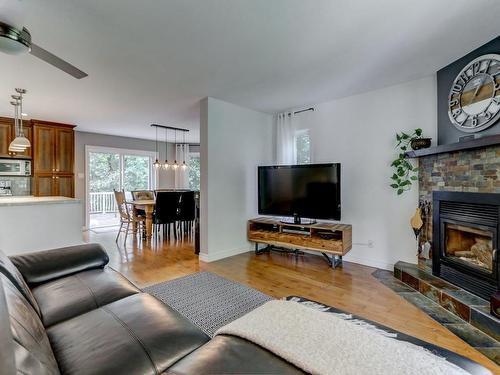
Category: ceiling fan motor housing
<point>14,41</point>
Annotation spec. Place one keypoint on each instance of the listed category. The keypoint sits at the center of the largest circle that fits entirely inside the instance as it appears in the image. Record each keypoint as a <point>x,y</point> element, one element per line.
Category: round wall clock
<point>474,99</point>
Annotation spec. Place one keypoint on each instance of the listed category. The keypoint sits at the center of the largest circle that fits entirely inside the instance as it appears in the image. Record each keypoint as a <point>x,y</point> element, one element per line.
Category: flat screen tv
<point>301,191</point>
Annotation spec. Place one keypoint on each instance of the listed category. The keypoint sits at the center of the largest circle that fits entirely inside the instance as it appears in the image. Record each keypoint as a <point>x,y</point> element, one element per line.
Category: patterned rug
<point>209,301</point>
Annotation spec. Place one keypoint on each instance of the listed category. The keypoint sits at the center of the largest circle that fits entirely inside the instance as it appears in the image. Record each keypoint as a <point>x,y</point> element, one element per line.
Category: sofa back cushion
<point>9,270</point>
<point>32,351</point>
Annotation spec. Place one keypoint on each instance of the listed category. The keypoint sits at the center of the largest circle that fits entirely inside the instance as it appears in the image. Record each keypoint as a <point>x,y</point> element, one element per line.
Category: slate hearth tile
<point>454,306</point>
<point>485,322</point>
<point>410,280</point>
<point>429,291</point>
<point>473,336</point>
<point>466,298</point>
<point>491,353</point>
<point>397,273</point>
<point>397,285</point>
<point>431,308</point>
<point>382,274</point>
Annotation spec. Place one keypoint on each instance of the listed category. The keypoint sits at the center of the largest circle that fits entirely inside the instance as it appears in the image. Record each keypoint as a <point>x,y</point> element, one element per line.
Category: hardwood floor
<point>351,288</point>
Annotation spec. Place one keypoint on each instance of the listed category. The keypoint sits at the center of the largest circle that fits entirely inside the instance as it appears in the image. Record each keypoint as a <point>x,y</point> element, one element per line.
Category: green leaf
<point>414,178</point>
<point>404,148</point>
<point>400,191</point>
<point>418,132</point>
<point>395,186</point>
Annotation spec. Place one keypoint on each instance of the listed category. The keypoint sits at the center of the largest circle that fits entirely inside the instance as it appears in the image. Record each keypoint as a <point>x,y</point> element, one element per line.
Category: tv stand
<point>332,240</point>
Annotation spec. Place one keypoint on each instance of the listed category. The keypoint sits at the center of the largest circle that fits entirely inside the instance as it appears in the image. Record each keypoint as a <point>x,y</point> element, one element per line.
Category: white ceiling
<point>152,61</point>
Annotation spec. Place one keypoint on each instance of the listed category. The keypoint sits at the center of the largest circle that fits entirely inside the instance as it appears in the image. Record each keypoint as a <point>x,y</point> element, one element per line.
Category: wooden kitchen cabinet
<point>53,161</point>
<point>53,185</point>
<point>7,135</point>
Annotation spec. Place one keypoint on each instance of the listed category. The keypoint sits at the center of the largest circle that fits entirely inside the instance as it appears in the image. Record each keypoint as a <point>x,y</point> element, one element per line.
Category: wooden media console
<point>332,240</point>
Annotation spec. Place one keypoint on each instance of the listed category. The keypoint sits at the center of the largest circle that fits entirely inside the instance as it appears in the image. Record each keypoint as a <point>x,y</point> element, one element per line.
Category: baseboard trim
<point>207,258</point>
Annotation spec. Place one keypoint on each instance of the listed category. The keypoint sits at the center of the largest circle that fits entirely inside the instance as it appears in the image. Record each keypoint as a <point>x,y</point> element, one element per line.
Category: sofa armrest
<point>42,266</point>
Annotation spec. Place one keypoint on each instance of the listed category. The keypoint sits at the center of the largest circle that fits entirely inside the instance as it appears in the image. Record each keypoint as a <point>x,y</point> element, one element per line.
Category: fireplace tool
<point>416,224</point>
<point>425,250</point>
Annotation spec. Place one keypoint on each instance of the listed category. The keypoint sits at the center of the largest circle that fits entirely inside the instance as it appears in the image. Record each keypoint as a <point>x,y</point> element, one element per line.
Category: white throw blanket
<point>322,343</point>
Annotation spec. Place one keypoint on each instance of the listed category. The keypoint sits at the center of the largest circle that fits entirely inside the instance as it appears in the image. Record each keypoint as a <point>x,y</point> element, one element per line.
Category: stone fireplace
<point>465,232</point>
<point>463,188</point>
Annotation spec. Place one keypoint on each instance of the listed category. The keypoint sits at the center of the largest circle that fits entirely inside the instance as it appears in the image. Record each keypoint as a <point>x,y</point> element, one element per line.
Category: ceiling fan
<point>16,40</point>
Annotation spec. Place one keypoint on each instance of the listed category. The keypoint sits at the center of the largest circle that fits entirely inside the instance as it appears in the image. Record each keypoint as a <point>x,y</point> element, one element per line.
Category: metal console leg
<point>334,261</point>
<point>263,250</point>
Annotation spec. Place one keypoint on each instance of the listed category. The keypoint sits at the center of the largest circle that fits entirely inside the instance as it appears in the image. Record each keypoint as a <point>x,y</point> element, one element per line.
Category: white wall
<point>234,141</point>
<point>359,132</point>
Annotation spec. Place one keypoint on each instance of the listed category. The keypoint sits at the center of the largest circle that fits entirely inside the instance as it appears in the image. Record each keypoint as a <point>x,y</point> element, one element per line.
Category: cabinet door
<point>44,145</point>
<point>64,150</point>
<point>5,138</point>
<point>64,186</point>
<point>44,186</point>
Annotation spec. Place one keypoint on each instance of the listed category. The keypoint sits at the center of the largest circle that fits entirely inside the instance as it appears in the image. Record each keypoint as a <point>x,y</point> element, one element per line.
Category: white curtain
<point>182,174</point>
<point>285,139</point>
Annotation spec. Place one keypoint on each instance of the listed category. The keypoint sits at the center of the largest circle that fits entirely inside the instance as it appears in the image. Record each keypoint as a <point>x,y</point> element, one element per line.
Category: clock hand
<point>477,90</point>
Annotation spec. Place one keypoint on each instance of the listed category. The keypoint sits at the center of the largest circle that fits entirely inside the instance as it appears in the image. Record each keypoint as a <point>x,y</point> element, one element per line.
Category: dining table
<point>148,206</point>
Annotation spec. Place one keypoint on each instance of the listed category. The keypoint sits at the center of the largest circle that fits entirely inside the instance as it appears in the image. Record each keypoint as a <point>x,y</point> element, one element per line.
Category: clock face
<point>474,99</point>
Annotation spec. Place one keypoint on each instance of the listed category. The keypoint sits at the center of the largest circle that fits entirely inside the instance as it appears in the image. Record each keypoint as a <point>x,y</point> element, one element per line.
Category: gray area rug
<point>209,301</point>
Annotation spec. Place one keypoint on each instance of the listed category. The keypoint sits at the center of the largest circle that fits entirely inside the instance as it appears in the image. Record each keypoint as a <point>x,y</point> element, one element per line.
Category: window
<point>303,146</point>
<point>194,171</point>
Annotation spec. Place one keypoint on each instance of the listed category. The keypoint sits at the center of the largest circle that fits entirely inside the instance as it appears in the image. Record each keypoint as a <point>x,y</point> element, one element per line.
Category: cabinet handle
<point>57,177</point>
<point>53,177</point>
<point>57,170</point>
<point>53,170</point>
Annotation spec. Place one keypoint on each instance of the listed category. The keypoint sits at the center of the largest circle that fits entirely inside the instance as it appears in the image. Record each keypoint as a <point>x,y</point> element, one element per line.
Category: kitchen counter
<point>39,223</point>
<point>31,200</point>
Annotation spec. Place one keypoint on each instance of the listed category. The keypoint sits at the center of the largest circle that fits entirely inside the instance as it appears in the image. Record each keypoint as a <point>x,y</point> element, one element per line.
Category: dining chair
<point>142,195</point>
<point>126,218</point>
<point>167,211</point>
<point>187,211</point>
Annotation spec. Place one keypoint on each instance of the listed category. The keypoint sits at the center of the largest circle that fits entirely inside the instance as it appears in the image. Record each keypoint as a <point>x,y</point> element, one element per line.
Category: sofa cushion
<point>73,295</point>
<point>135,335</point>
<point>12,273</point>
<point>43,266</point>
<point>32,350</point>
<point>232,355</point>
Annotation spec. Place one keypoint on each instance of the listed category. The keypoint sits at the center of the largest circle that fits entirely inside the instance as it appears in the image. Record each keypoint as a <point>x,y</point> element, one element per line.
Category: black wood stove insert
<point>466,229</point>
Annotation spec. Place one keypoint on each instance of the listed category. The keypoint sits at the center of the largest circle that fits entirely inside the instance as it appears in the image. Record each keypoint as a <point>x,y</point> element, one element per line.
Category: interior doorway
<point>109,169</point>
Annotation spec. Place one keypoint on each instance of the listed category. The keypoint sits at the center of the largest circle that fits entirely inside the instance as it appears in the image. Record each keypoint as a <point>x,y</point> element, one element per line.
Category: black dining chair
<point>167,211</point>
<point>187,211</point>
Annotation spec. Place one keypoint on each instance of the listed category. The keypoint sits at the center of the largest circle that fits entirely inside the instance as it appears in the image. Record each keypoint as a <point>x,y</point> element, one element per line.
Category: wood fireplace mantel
<point>459,146</point>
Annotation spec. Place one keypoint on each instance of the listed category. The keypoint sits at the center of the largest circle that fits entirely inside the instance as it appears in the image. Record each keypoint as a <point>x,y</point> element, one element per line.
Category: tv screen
<point>307,191</point>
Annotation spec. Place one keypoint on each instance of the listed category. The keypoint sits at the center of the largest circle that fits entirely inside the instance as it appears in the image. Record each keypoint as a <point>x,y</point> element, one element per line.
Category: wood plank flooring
<point>351,288</point>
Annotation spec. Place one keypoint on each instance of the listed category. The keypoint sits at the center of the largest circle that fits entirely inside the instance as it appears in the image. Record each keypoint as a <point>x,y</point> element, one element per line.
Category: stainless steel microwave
<point>15,167</point>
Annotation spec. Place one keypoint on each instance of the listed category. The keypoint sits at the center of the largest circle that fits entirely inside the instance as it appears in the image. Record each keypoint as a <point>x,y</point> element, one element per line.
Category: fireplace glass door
<point>469,244</point>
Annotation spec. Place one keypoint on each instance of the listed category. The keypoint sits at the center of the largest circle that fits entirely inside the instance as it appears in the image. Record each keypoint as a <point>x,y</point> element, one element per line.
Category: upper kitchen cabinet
<point>53,148</point>
<point>7,135</point>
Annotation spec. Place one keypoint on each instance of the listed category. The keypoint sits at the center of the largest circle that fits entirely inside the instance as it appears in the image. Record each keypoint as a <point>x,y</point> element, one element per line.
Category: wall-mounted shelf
<point>459,146</point>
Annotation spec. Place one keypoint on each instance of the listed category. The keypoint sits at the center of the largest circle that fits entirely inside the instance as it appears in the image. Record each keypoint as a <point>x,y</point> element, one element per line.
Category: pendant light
<point>166,165</point>
<point>20,142</point>
<point>156,164</point>
<point>184,165</point>
<point>175,165</point>
<point>15,147</point>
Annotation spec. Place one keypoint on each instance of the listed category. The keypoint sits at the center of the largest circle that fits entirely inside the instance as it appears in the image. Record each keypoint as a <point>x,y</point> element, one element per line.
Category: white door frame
<point>121,152</point>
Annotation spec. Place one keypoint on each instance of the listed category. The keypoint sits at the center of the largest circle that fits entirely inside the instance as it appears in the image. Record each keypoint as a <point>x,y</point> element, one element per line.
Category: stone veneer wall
<point>475,171</point>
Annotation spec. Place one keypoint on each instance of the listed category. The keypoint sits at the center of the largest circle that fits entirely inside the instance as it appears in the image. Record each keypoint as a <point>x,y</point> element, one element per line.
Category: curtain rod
<point>302,110</point>
<point>169,127</point>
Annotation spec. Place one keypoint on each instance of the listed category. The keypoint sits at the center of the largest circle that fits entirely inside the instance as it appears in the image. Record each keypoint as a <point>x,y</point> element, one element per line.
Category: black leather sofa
<point>65,311</point>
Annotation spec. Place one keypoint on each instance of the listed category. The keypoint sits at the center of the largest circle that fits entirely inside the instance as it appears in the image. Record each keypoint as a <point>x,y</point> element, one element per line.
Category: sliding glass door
<point>111,169</point>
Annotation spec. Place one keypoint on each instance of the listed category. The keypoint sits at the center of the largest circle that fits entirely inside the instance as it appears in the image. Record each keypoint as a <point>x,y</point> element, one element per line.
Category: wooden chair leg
<point>119,231</point>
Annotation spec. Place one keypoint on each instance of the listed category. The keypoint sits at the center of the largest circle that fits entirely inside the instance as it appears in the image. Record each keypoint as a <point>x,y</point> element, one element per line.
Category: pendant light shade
<point>20,142</point>
<point>156,164</point>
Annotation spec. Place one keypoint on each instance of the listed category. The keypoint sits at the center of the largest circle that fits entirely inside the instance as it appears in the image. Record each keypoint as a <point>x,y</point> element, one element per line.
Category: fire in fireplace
<point>465,232</point>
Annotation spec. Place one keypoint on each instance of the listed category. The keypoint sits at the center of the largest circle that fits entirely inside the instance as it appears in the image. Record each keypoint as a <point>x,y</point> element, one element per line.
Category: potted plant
<point>404,171</point>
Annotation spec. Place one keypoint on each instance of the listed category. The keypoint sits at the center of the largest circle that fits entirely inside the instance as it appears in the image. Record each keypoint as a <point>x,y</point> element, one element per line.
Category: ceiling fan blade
<point>56,61</point>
